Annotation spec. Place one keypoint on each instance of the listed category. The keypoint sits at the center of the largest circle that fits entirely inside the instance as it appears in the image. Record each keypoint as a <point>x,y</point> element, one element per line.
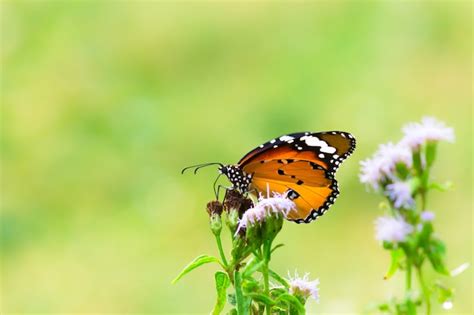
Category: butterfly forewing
<point>327,149</point>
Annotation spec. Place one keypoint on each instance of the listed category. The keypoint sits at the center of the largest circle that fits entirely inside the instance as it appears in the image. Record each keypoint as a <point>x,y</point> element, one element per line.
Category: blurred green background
<point>104,102</point>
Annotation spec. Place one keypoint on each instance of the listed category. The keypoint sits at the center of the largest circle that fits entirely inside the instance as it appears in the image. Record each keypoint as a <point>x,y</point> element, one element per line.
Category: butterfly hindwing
<point>308,184</point>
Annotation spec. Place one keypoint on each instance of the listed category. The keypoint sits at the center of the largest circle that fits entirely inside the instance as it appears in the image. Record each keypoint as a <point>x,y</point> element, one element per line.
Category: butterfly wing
<point>308,184</point>
<point>327,149</point>
<point>302,165</point>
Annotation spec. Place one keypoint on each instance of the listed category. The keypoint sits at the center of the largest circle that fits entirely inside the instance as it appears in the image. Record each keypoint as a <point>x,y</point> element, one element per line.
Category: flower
<point>382,164</point>
<point>266,207</point>
<point>303,287</point>
<point>400,194</point>
<point>427,216</point>
<point>371,172</point>
<point>392,229</point>
<point>430,129</point>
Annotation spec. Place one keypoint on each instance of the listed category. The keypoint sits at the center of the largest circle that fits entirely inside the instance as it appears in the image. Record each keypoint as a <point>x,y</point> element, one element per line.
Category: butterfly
<point>300,165</point>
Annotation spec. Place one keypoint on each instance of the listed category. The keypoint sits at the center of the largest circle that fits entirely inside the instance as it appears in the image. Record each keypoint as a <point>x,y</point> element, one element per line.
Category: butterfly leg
<point>217,191</point>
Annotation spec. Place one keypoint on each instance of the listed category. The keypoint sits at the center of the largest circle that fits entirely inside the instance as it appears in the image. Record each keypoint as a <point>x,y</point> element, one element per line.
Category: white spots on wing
<point>286,138</point>
<point>261,146</point>
<point>272,141</point>
<point>335,156</point>
<point>327,149</point>
<point>350,136</point>
<point>313,141</point>
<point>275,146</point>
<point>321,156</point>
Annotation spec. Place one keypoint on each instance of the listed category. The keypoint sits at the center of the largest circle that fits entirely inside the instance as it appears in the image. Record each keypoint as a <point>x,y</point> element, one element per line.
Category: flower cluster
<point>401,173</point>
<point>253,227</point>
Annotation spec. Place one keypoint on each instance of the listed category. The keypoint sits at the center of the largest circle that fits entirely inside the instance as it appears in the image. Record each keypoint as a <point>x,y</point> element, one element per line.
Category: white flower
<point>383,163</point>
<point>392,229</point>
<point>400,194</point>
<point>427,216</point>
<point>265,207</point>
<point>301,286</point>
<point>428,130</point>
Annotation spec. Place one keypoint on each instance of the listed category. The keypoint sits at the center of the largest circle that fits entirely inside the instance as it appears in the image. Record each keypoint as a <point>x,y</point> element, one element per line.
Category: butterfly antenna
<point>199,166</point>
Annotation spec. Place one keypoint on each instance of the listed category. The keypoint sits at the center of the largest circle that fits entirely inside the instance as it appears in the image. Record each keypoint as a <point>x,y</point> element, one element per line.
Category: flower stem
<point>221,251</point>
<point>267,249</point>
<point>424,288</point>
<point>408,275</point>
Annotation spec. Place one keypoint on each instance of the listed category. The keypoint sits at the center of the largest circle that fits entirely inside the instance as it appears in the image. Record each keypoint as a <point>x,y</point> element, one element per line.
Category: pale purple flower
<point>430,129</point>
<point>303,287</point>
<point>382,164</point>
<point>400,194</point>
<point>427,216</point>
<point>392,229</point>
<point>265,207</point>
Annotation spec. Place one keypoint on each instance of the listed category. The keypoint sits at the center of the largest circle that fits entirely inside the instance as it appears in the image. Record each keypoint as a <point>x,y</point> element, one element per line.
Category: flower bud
<point>215,223</point>
<point>214,209</point>
<point>233,220</point>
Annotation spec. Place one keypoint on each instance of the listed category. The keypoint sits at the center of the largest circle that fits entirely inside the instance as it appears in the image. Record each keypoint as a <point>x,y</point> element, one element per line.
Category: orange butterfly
<point>299,165</point>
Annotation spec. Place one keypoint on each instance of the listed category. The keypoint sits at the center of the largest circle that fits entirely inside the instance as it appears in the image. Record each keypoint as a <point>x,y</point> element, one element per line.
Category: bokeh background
<point>104,102</point>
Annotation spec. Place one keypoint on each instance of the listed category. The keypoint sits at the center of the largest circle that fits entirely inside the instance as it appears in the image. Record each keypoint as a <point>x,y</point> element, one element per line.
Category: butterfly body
<point>300,165</point>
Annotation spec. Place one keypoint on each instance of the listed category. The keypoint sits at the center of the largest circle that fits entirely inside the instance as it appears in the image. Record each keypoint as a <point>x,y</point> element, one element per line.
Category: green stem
<point>221,250</point>
<point>408,276</point>
<point>267,249</point>
<point>424,288</point>
<point>423,199</point>
<point>239,295</point>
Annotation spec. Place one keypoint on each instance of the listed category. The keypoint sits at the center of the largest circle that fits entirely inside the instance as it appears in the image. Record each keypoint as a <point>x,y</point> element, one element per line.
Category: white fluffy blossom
<point>276,205</point>
<point>392,229</point>
<point>302,286</point>
<point>430,129</point>
<point>400,193</point>
<point>383,163</point>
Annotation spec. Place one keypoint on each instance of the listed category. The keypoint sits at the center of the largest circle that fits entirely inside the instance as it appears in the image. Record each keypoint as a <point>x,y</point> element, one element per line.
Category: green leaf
<point>397,255</point>
<point>198,261</point>
<point>261,298</point>
<point>277,246</point>
<point>233,312</point>
<point>222,283</point>
<point>278,278</point>
<point>251,267</point>
<point>444,293</point>
<point>426,231</point>
<point>441,187</point>
<point>435,252</point>
<point>293,301</point>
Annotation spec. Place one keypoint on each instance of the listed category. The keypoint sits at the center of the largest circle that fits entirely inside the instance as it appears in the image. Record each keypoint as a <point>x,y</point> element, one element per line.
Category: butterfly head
<point>239,179</point>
